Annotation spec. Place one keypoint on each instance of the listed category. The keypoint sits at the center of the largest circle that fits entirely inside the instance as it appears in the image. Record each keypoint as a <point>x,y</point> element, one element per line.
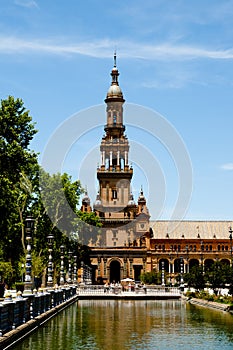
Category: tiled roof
<point>191,229</point>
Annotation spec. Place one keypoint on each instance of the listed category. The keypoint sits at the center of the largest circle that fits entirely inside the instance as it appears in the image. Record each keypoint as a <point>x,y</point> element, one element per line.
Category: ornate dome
<point>114,91</point>
<point>86,200</point>
<point>141,198</point>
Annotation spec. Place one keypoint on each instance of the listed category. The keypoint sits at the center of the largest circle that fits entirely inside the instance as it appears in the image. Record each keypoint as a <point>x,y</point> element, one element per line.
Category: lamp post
<point>75,270</point>
<point>70,268</point>
<point>202,258</point>
<point>89,274</point>
<point>29,224</point>
<point>62,250</point>
<point>50,239</point>
<point>162,265</point>
<point>181,274</point>
<point>187,258</point>
<point>171,269</point>
<point>22,269</point>
<point>230,237</point>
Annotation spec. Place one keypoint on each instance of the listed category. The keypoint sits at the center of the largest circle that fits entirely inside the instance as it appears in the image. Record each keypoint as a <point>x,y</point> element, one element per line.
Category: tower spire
<point>115,59</point>
<point>114,93</point>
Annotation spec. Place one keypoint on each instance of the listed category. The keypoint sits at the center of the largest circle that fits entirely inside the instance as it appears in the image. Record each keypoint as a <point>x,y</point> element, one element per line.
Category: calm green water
<point>141,325</point>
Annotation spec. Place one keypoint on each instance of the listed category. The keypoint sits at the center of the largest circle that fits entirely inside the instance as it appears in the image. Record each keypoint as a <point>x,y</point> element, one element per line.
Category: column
<point>118,158</point>
<point>131,268</point>
<point>103,158</point>
<point>105,267</point>
<point>125,267</point>
<point>144,265</point>
<point>122,273</point>
<point>110,158</point>
<point>99,262</point>
<point>126,158</point>
<point>82,272</point>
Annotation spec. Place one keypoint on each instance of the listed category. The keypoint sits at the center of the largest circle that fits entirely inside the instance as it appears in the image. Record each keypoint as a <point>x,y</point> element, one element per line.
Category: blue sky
<point>174,57</point>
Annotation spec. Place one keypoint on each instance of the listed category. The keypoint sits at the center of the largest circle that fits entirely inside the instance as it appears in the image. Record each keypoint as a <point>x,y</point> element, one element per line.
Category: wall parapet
<point>22,315</point>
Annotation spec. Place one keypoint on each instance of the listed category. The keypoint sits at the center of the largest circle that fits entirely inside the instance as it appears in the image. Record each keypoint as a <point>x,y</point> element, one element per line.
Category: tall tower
<point>114,203</point>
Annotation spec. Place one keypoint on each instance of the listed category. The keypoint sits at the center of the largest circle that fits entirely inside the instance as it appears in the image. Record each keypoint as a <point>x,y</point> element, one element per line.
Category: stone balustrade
<point>17,309</point>
<point>93,290</point>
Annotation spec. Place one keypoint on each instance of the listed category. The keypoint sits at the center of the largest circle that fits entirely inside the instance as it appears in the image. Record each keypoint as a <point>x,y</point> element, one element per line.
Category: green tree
<point>51,199</point>
<point>195,278</point>
<point>59,198</point>
<point>17,162</point>
<point>230,280</point>
<point>56,211</point>
<point>6,272</point>
<point>217,276</point>
<point>152,277</point>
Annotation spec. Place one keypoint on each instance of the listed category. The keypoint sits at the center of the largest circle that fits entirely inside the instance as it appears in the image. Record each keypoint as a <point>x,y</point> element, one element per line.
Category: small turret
<point>86,203</point>
<point>142,207</point>
<point>141,199</point>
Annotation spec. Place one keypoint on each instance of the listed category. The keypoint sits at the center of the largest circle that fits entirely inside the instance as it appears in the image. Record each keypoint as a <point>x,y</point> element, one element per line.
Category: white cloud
<point>27,3</point>
<point>227,166</point>
<point>104,48</point>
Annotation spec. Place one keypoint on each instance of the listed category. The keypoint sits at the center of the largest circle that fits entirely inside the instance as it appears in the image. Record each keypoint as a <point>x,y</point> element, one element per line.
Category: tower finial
<point>115,58</point>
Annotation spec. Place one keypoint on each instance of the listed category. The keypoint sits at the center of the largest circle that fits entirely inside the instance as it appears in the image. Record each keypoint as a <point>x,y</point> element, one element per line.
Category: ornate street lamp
<point>75,270</point>
<point>230,237</point>
<point>163,282</point>
<point>70,268</point>
<point>187,258</point>
<point>29,224</point>
<point>181,274</point>
<point>50,239</point>
<point>202,258</point>
<point>62,251</point>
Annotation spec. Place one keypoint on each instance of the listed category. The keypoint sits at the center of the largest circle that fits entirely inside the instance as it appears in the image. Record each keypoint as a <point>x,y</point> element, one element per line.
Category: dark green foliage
<point>152,277</point>
<point>17,163</point>
<point>51,199</point>
<point>195,278</point>
<point>218,276</point>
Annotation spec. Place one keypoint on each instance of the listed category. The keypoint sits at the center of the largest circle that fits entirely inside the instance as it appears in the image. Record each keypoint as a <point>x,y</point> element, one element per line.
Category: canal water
<point>141,325</point>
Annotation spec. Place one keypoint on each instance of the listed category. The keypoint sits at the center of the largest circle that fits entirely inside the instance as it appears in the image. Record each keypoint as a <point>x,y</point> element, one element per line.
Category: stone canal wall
<point>21,316</point>
<point>209,304</point>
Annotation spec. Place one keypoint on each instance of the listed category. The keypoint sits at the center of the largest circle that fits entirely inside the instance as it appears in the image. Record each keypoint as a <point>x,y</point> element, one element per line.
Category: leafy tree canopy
<point>17,163</point>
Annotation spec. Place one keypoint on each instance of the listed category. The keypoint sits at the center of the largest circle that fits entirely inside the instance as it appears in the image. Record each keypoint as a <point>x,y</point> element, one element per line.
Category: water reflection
<point>136,324</point>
